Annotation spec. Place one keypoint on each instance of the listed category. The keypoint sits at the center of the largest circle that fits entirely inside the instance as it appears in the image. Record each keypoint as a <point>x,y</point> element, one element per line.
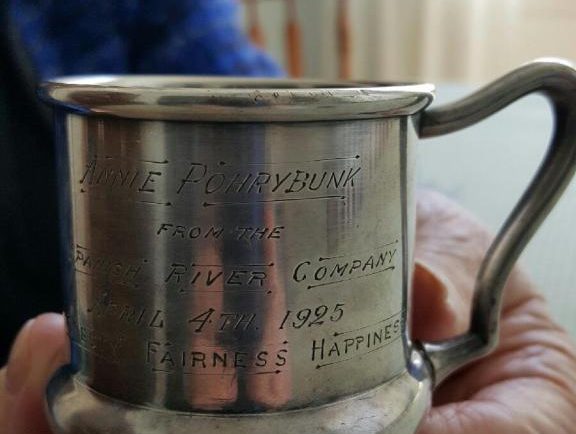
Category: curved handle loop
<point>557,80</point>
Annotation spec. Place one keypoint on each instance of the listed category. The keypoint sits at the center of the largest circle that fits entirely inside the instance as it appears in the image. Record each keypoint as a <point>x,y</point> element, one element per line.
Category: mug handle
<point>556,79</point>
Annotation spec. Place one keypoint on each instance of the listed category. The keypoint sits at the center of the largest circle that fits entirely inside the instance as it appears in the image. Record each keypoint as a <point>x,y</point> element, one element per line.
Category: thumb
<point>38,351</point>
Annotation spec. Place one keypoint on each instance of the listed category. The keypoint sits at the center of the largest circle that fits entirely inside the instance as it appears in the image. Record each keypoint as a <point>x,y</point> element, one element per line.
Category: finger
<point>450,247</point>
<point>450,244</point>
<point>38,351</point>
<point>516,406</point>
<point>467,418</point>
<point>439,310</point>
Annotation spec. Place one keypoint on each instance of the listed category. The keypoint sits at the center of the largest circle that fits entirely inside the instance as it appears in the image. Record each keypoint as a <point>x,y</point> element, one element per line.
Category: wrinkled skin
<point>527,386</point>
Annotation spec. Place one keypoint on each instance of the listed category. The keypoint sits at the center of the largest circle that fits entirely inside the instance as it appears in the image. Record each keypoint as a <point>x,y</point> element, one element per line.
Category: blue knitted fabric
<point>65,37</point>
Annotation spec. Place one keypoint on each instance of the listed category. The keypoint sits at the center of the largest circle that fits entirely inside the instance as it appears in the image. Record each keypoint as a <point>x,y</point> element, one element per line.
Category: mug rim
<point>233,99</point>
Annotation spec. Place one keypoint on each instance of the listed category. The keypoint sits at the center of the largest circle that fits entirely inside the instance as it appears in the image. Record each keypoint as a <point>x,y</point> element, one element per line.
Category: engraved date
<point>223,321</point>
<point>312,317</point>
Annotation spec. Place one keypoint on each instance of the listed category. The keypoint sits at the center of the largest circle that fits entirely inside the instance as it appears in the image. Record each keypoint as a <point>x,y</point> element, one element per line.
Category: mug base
<point>395,407</point>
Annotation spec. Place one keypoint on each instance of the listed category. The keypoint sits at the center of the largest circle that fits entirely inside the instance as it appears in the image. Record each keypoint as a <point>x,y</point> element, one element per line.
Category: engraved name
<point>112,174</point>
<point>94,264</point>
<point>199,276</point>
<point>334,270</point>
<point>209,182</point>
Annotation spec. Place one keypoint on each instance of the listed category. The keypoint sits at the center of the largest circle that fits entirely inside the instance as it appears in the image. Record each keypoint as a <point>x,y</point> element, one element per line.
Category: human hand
<point>527,386</point>
<point>40,348</point>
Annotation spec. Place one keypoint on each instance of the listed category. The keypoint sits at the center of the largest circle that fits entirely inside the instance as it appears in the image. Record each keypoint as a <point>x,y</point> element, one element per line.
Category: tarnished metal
<point>234,100</point>
<point>556,80</point>
<point>238,252</point>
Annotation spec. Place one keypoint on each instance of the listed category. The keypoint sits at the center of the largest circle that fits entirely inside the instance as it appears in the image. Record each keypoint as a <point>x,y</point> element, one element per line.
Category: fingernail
<point>19,361</point>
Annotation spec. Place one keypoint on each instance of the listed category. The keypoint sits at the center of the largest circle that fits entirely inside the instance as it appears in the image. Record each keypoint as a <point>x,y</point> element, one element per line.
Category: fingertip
<point>48,343</point>
<point>50,322</point>
<point>19,361</point>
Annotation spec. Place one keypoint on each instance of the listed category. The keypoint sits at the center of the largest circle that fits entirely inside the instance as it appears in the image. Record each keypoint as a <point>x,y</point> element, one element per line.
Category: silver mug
<point>238,252</point>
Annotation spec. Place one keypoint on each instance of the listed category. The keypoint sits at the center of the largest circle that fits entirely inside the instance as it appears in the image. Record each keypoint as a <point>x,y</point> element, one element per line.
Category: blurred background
<point>466,41</point>
<point>457,44</point>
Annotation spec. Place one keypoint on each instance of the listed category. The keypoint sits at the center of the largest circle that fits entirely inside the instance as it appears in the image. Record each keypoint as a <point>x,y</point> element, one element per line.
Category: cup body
<point>238,252</point>
<point>237,265</point>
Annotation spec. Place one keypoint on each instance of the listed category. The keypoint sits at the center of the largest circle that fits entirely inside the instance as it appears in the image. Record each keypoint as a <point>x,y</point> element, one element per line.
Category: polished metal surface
<point>233,99</point>
<point>235,272</point>
<point>395,407</point>
<point>245,268</point>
